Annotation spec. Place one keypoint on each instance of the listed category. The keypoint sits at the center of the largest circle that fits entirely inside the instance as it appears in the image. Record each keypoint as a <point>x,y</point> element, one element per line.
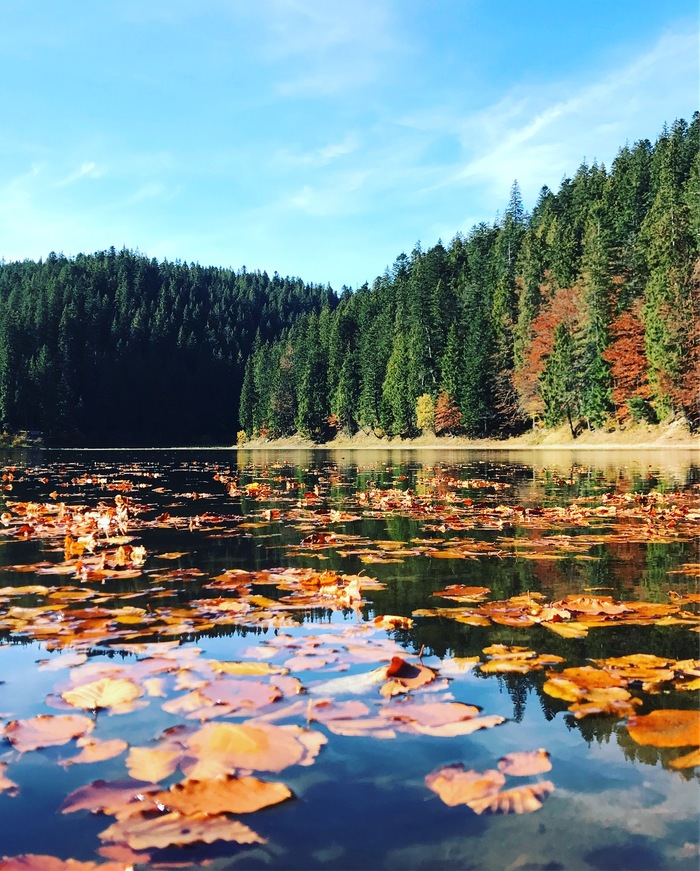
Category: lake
<point>349,660</point>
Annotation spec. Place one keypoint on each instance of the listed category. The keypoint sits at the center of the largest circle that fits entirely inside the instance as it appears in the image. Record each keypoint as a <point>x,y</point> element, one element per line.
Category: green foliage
<point>560,385</point>
<point>398,403</point>
<point>641,411</point>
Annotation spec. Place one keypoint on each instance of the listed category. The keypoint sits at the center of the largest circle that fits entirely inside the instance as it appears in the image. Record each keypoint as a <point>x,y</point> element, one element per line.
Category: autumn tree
<point>447,416</point>
<point>425,413</point>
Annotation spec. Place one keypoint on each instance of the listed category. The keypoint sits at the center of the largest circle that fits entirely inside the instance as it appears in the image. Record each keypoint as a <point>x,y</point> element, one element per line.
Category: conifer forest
<point>584,312</point>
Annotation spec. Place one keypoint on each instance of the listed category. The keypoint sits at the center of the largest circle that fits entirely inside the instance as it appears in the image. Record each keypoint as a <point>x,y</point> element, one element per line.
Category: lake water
<point>221,530</point>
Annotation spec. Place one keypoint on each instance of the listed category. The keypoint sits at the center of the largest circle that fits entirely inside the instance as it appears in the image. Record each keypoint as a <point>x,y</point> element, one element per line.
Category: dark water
<point>364,802</point>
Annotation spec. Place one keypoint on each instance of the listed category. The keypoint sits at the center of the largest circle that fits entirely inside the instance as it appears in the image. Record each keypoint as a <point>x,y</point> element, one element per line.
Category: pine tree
<point>560,383</point>
<point>398,402</point>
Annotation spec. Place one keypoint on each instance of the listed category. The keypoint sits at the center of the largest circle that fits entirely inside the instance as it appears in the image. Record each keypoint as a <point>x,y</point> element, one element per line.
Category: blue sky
<point>312,137</point>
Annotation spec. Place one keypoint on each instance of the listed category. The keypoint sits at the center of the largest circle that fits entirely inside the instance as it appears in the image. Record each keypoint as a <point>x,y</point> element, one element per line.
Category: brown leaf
<point>520,800</point>
<point>143,832</point>
<point>109,797</point>
<point>389,621</point>
<point>404,676</point>
<point>234,795</point>
<point>46,730</point>
<point>35,862</point>
<point>666,728</point>
<point>456,786</point>
<point>525,763</point>
<point>461,593</point>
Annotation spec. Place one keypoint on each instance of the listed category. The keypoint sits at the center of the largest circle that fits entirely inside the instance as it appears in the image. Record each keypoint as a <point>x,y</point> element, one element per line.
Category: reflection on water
<point>364,803</point>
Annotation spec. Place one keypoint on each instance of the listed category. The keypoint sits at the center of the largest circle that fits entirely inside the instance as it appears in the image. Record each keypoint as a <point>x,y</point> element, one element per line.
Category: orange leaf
<point>456,786</point>
<point>666,728</point>
<point>219,748</point>
<point>520,800</point>
<point>34,862</point>
<point>151,764</point>
<point>233,795</point>
<point>109,797</point>
<point>689,760</point>
<point>142,832</point>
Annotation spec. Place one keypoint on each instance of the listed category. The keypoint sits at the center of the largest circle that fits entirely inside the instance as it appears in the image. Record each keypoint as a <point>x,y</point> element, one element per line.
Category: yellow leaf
<point>105,693</point>
<point>152,764</point>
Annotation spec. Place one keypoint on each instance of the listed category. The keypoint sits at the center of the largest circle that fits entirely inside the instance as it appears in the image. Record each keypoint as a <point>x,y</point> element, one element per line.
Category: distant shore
<point>674,436</point>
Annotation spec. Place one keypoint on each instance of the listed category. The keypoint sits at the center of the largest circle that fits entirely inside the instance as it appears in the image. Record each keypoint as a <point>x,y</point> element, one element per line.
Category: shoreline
<point>638,438</point>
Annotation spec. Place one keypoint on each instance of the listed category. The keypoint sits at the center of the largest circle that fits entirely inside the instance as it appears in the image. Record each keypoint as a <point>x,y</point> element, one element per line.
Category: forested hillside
<point>587,311</point>
<point>116,349</point>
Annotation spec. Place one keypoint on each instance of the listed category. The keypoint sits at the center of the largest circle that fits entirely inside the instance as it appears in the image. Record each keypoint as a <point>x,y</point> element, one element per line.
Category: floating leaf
<point>104,693</point>
<point>457,786</point>
<point>96,750</point>
<point>666,728</point>
<point>389,621</point>
<point>219,748</point>
<point>46,730</point>
<point>689,760</point>
<point>234,795</point>
<point>519,800</point>
<point>109,797</point>
<point>152,764</point>
<point>525,763</point>
<point>7,785</point>
<point>462,727</point>
<point>246,668</point>
<point>35,862</point>
<point>144,832</point>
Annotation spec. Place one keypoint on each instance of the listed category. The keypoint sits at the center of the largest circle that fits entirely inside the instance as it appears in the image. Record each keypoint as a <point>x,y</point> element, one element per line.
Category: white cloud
<point>85,170</point>
<point>542,135</point>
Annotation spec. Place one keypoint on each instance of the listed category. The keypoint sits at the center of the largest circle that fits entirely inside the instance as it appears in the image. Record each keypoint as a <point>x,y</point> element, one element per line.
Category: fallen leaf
<point>151,764</point>
<point>109,797</point>
<point>36,862</point>
<point>519,800</point>
<point>666,728</point>
<point>7,785</point>
<point>234,795</point>
<point>144,832</point>
<point>525,763</point>
<point>457,786</point>
<point>96,750</point>
<point>46,730</point>
<point>689,760</point>
<point>105,693</point>
<point>219,748</point>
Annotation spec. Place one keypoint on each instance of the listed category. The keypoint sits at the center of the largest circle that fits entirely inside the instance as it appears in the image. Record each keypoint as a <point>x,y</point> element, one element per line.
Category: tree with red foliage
<point>562,308</point>
<point>447,416</point>
<point>628,361</point>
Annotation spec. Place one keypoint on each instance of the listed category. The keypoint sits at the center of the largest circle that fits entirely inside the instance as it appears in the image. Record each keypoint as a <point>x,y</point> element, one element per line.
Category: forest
<point>584,312</point>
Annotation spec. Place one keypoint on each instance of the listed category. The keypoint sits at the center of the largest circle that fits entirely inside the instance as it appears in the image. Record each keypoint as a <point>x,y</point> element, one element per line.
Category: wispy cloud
<point>85,170</point>
<point>541,135</point>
